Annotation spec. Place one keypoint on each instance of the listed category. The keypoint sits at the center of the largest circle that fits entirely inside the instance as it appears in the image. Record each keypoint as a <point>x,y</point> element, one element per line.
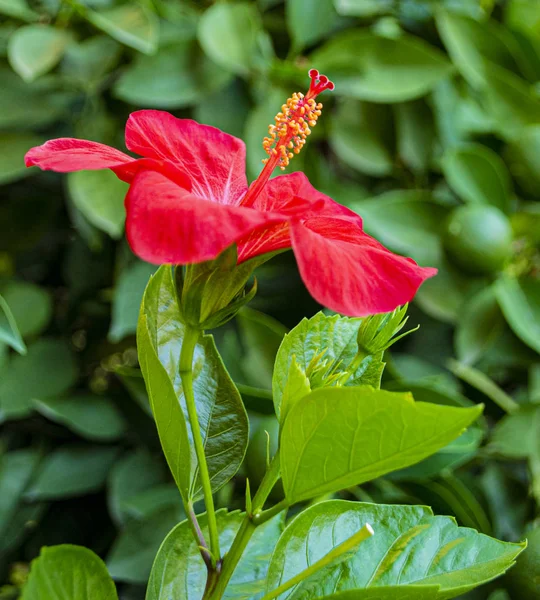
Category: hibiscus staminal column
<point>288,135</point>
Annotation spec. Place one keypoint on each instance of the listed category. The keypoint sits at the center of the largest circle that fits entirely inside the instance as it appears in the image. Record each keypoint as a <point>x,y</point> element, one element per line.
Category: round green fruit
<point>478,238</point>
<point>256,453</point>
<point>523,580</point>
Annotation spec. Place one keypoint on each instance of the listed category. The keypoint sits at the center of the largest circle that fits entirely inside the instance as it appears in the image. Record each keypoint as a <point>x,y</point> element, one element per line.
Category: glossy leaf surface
<point>413,554</point>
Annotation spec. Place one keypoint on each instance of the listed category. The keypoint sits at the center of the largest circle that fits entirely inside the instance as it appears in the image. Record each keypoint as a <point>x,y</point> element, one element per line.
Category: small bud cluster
<point>292,125</point>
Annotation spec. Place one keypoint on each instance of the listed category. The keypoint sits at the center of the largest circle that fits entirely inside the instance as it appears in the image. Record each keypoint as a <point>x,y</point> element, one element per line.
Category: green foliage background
<point>437,106</point>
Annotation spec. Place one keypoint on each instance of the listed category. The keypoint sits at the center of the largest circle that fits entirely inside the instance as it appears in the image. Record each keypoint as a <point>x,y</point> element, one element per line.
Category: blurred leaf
<point>510,102</point>
<point>524,159</point>
<point>363,8</point>
<point>72,470</point>
<point>18,9</point>
<point>132,24</point>
<point>413,555</point>
<point>89,61</point>
<point>520,302</point>
<point>261,336</point>
<point>257,127</point>
<point>507,509</point>
<point>188,578</point>
<point>478,175</point>
<point>93,417</point>
<point>479,326</point>
<point>408,222</point>
<point>442,297</point>
<point>226,109</point>
<point>415,134</point>
<point>362,137</point>
<point>130,559</point>
<point>13,147</point>
<point>471,43</point>
<point>47,370</point>
<point>99,195</point>
<point>31,306</point>
<point>128,294</point>
<point>9,332</point>
<point>369,445</point>
<point>514,436</point>
<point>133,473</point>
<point>310,21</point>
<point>44,102</point>
<point>67,571</point>
<point>175,77</point>
<point>384,70</point>
<point>16,470</point>
<point>232,36</point>
<point>36,49</point>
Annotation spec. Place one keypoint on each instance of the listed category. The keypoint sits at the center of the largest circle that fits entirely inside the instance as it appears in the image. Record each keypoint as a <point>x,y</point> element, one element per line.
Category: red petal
<point>67,154</point>
<point>351,273</point>
<point>294,197</point>
<point>168,224</point>
<point>214,160</point>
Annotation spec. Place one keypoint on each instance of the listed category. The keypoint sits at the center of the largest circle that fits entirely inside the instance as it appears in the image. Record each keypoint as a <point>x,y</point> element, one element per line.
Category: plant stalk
<point>191,336</point>
<point>248,526</point>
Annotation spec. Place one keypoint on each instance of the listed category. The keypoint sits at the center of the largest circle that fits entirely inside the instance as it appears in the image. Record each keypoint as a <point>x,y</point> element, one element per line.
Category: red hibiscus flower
<point>189,200</point>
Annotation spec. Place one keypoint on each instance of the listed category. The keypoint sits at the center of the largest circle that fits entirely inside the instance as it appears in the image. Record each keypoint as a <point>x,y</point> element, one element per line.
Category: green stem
<point>484,384</point>
<point>248,526</point>
<point>335,554</point>
<point>189,342</point>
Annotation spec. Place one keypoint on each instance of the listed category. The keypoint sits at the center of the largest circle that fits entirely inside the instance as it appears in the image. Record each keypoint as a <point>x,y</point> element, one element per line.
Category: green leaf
<point>415,132</point>
<point>128,294</point>
<point>47,370</point>
<point>479,327</point>
<point>309,22</point>
<point>510,101</point>
<point>36,49</point>
<point>478,175</point>
<point>520,302</point>
<point>384,69</point>
<point>335,335</point>
<point>380,432</point>
<point>67,572</point>
<point>13,147</point>
<point>134,550</point>
<point>471,43</point>
<point>232,36</point>
<point>30,305</point>
<point>16,470</point>
<point>261,336</point>
<point>524,159</point>
<point>222,417</point>
<point>93,417</point>
<point>186,579</point>
<point>175,77</point>
<point>99,195</point>
<point>361,136</point>
<point>134,25</point>
<point>408,222</point>
<point>72,471</point>
<point>413,555</point>
<point>43,102</point>
<point>18,9</point>
<point>133,474</point>
<point>87,62</point>
<point>9,332</point>
<point>514,436</point>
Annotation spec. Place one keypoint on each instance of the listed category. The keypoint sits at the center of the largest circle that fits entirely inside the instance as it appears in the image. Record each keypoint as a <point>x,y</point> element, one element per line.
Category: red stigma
<point>319,83</point>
